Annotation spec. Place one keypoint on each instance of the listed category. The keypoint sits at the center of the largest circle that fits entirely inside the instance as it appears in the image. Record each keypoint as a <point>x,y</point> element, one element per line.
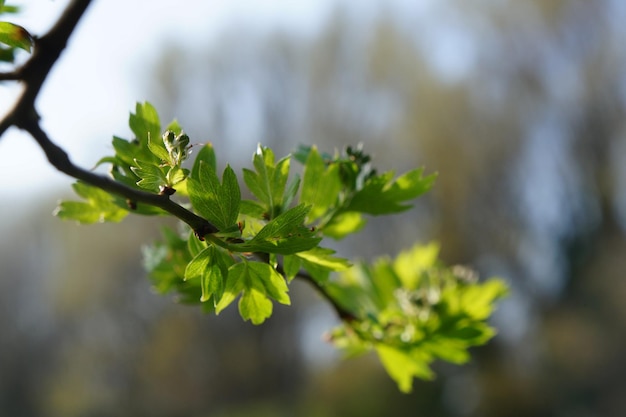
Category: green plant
<point>410,310</point>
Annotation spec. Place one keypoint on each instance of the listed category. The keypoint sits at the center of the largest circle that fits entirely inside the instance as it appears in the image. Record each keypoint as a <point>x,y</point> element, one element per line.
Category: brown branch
<point>9,76</point>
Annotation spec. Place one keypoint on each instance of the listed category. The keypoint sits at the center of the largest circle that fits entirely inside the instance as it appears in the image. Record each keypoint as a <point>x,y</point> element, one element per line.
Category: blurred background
<point>518,105</point>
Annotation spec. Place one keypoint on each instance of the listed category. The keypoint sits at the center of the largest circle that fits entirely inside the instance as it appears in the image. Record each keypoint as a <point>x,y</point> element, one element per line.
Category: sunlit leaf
<point>145,123</point>
<point>320,185</point>
<point>16,36</point>
<point>402,366</point>
<point>218,203</point>
<point>324,258</point>
<point>151,176</point>
<point>267,182</point>
<point>285,234</point>
<point>344,224</point>
<point>382,195</point>
<point>99,206</point>
<point>206,156</point>
<point>256,282</point>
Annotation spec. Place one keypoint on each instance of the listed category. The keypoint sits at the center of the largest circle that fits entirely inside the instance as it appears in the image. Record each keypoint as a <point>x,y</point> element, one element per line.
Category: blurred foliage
<point>526,128</point>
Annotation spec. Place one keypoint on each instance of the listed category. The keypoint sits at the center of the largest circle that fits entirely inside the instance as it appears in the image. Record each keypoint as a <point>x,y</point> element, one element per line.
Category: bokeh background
<point>519,105</point>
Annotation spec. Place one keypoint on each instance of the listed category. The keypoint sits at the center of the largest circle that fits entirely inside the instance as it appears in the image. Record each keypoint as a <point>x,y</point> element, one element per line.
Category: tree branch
<point>9,76</point>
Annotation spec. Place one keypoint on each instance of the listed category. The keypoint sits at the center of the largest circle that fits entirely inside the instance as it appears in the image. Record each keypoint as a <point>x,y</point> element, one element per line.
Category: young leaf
<point>320,185</point>
<point>176,175</point>
<point>273,283</point>
<point>211,265</point>
<point>157,147</point>
<point>252,209</point>
<point>145,123</point>
<point>255,306</point>
<point>207,157</point>
<point>98,208</point>
<point>412,310</point>
<point>402,366</point>
<point>16,36</point>
<point>381,195</point>
<point>126,152</point>
<point>257,281</point>
<point>343,224</point>
<point>291,266</point>
<point>285,234</point>
<point>288,223</point>
<point>151,176</point>
<point>218,203</point>
<point>268,180</point>
<point>324,258</point>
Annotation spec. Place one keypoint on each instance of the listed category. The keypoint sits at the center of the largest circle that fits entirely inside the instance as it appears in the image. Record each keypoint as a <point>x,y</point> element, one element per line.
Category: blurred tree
<point>519,105</point>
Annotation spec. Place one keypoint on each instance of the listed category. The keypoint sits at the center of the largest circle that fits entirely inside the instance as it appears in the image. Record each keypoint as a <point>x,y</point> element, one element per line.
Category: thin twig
<point>9,76</point>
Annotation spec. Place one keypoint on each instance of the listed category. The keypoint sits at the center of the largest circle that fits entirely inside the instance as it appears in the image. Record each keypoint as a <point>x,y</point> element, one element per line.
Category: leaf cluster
<point>411,310</point>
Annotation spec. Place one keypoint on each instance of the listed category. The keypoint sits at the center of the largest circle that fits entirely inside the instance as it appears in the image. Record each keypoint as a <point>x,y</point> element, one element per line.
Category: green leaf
<point>285,234</point>
<point>176,175</point>
<point>411,263</point>
<point>126,152</point>
<point>268,181</point>
<point>156,146</point>
<point>256,281</point>
<point>402,366</point>
<point>255,306</point>
<point>145,123</point>
<point>212,283</point>
<point>285,225</point>
<point>10,9</point>
<point>98,208</point>
<point>16,36</point>
<point>291,266</point>
<point>7,54</point>
<point>151,176</point>
<point>207,157</point>
<point>344,224</point>
<point>381,195</point>
<point>320,185</point>
<point>273,283</point>
<point>211,265</point>
<point>410,185</point>
<point>252,209</point>
<point>218,203</point>
<point>477,301</point>
<point>324,258</point>
<point>292,190</point>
